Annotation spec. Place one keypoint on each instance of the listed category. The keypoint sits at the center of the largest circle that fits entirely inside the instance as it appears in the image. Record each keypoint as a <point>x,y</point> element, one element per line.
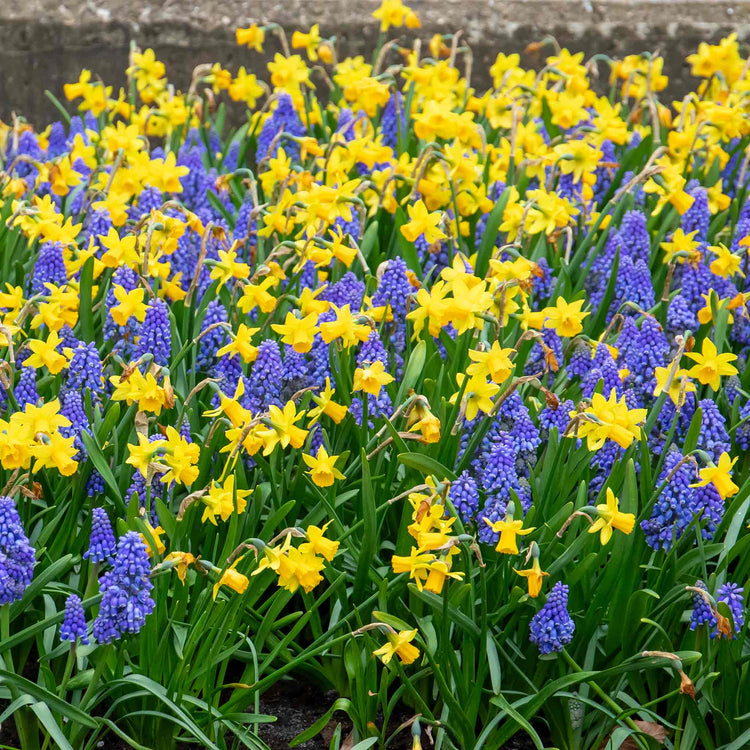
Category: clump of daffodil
<point>222,499</point>
<point>134,387</point>
<point>298,566</point>
<point>429,563</point>
<point>609,419</point>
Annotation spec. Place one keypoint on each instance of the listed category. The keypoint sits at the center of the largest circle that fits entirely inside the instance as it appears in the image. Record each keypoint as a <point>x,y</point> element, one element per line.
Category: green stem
<point>98,671</point>
<point>68,670</point>
<point>92,584</point>
<point>24,718</point>
<point>679,728</point>
<point>609,701</point>
<point>5,635</point>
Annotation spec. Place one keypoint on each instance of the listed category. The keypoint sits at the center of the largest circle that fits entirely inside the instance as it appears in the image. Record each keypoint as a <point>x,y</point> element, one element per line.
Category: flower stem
<point>609,701</point>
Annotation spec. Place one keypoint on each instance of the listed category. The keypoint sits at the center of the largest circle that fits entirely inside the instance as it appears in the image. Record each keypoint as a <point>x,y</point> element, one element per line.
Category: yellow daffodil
<point>710,366</point>
<point>720,476</point>
<point>220,501</point>
<point>610,518</point>
<point>399,644</point>
<point>46,354</point>
<point>610,419</point>
<point>494,362</point>
<point>680,385</point>
<point>317,542</point>
<point>565,317</point>
<point>371,378</point>
<point>231,578</point>
<point>298,332</point>
<point>422,223</point>
<point>323,469</point>
<point>534,577</point>
<point>509,529</point>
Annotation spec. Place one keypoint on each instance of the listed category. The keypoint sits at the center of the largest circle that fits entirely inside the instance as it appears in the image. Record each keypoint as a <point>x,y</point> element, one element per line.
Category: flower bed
<point>433,397</point>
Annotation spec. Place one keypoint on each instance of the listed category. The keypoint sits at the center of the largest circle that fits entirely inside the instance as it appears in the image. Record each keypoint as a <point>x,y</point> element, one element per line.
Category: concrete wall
<point>45,43</point>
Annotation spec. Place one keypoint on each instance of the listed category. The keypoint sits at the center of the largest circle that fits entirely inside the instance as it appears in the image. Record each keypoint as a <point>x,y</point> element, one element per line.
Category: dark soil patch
<point>297,706</point>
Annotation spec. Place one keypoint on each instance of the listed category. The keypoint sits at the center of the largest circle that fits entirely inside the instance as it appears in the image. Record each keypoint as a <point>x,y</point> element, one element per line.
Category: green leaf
<point>85,313</point>
<point>275,519</point>
<point>741,743</point>
<point>530,705</point>
<point>342,704</point>
<point>395,622</point>
<point>370,532</point>
<point>493,661</point>
<point>413,371</point>
<point>148,685</point>
<point>455,615</point>
<point>699,722</point>
<point>100,462</point>
<point>501,701</point>
<point>598,321</point>
<point>216,203</point>
<point>48,722</point>
<point>426,465</point>
<point>369,242</point>
<point>58,106</point>
<point>489,237</point>
<point>691,439</point>
<point>24,686</point>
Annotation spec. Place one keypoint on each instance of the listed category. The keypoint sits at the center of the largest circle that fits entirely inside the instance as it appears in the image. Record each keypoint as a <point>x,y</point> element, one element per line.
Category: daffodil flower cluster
<point>396,341</point>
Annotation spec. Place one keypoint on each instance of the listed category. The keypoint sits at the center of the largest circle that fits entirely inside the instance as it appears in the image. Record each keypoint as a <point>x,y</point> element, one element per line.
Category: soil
<point>45,43</point>
<point>297,706</point>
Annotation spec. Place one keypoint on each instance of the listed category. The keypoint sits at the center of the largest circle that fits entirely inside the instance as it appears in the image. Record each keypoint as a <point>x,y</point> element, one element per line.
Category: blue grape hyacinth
<point>17,556</point>
<point>552,627</point>
<point>732,595</point>
<point>74,622</point>
<point>102,546</point>
<point>464,494</point>
<point>126,590</point>
<point>702,614</point>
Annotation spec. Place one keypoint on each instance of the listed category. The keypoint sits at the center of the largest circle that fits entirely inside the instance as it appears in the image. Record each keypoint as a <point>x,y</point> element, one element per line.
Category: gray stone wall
<point>45,43</point>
